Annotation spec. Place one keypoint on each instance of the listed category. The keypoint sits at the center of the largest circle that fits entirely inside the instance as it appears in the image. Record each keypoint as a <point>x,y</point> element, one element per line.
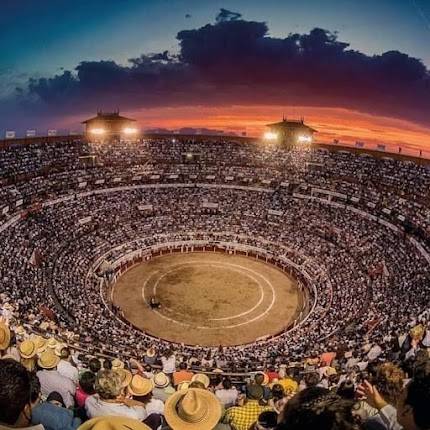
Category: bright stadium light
<point>270,135</point>
<point>304,139</point>
<point>129,130</point>
<point>98,131</point>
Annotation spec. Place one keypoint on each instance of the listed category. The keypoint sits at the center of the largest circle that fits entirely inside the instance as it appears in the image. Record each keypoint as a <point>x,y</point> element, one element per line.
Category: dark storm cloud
<point>227,15</point>
<point>238,62</point>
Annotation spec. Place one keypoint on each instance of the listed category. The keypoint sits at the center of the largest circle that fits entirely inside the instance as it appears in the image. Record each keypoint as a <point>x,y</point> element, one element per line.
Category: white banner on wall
<point>52,132</point>
<point>30,133</point>
<point>10,134</point>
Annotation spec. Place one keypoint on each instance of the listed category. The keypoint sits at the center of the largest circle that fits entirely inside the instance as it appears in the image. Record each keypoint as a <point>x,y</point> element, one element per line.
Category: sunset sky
<point>356,70</point>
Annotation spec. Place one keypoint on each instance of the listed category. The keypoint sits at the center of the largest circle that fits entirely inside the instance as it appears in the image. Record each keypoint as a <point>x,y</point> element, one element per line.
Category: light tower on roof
<point>290,132</point>
<point>109,126</point>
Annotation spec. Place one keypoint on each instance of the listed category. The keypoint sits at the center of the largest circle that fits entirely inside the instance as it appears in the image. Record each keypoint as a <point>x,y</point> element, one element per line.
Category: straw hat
<point>27,349</point>
<point>183,386</point>
<point>44,325</point>
<point>150,352</point>
<point>192,409</point>
<point>29,363</point>
<point>4,336</point>
<point>20,330</point>
<point>48,360</point>
<point>329,371</point>
<point>9,357</point>
<point>125,376</point>
<point>40,343</point>
<point>59,348</point>
<point>52,343</point>
<point>202,378</point>
<point>113,423</point>
<point>117,364</point>
<point>161,380</point>
<point>140,386</point>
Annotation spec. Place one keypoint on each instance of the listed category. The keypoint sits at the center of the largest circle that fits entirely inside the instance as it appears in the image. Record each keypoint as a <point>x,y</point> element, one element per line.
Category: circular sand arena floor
<point>207,299</point>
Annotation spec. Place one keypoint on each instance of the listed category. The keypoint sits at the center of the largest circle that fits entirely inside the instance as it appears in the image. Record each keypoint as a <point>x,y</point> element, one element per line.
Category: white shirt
<point>388,415</point>
<point>169,364</point>
<point>227,397</point>
<point>68,370</point>
<point>51,380</point>
<point>155,406</point>
<point>163,393</point>
<point>374,352</point>
<point>96,407</point>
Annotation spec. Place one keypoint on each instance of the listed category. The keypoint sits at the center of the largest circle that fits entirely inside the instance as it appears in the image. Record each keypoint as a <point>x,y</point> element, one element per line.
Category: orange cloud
<point>347,126</point>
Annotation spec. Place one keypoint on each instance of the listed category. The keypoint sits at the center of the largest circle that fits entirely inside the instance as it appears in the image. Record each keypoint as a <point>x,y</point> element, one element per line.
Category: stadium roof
<point>108,116</point>
<point>291,124</point>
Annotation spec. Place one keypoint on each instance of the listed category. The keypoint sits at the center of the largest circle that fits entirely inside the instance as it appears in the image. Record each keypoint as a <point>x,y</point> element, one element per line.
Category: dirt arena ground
<point>207,299</point>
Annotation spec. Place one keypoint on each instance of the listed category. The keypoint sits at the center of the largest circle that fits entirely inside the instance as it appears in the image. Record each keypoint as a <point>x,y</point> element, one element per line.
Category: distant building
<point>107,126</point>
<point>290,133</point>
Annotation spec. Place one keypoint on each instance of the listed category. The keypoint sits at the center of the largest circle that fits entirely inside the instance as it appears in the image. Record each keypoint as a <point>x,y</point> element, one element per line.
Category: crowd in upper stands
<point>360,360</point>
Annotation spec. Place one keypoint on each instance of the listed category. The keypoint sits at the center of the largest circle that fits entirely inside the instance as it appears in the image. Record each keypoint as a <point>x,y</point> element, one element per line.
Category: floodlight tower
<point>290,133</point>
<point>110,126</point>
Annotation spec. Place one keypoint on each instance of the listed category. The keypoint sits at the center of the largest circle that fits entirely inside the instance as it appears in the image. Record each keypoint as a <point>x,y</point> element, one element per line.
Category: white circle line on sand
<point>214,264</point>
<point>219,327</point>
<point>240,270</point>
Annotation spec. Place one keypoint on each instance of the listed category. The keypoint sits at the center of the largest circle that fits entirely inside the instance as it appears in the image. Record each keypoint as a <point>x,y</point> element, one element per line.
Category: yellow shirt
<point>289,385</point>
<point>242,417</point>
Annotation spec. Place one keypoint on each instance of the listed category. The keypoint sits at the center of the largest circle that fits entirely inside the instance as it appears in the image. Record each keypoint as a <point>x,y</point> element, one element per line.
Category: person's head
<point>56,399</point>
<point>226,383</point>
<point>35,389</point>
<point>317,408</point>
<point>48,360</point>
<point>107,364</point>
<point>292,372</point>
<point>94,365</point>
<point>346,390</point>
<point>266,421</point>
<point>311,379</point>
<point>388,379</point>
<point>141,389</point>
<point>197,384</point>
<point>259,378</point>
<point>413,406</point>
<point>114,423</point>
<point>192,409</point>
<point>182,365</point>
<point>15,393</point>
<point>65,353</point>
<point>87,381</point>
<point>108,384</point>
<point>254,392</point>
<point>144,399</point>
<point>278,391</point>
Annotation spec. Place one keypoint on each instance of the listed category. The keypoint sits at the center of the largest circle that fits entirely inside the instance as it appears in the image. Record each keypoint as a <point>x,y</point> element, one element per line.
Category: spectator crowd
<point>358,360</point>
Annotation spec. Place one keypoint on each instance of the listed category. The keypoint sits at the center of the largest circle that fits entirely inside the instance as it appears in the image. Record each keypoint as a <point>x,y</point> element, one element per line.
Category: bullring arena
<point>208,298</point>
<point>306,249</point>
